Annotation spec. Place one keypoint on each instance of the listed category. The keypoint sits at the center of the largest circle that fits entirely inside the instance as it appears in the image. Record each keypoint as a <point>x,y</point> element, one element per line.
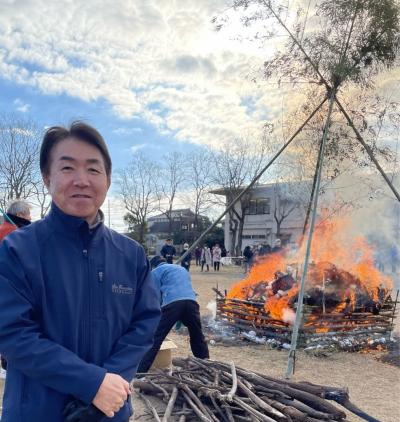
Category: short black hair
<point>79,130</point>
<point>156,261</point>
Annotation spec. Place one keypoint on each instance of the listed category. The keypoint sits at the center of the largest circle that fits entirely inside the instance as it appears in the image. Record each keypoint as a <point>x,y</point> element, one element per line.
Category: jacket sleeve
<point>24,345</point>
<point>132,346</point>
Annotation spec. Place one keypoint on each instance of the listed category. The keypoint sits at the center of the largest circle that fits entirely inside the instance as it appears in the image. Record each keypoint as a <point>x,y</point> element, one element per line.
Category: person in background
<point>277,247</point>
<point>178,303</point>
<point>265,249</point>
<point>78,307</point>
<point>197,254</point>
<point>186,261</point>
<point>205,258</point>
<point>216,256</point>
<point>18,215</point>
<point>248,258</point>
<point>168,251</point>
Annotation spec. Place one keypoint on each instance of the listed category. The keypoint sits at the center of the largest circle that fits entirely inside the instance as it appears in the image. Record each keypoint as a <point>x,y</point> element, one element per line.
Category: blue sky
<point>151,75</point>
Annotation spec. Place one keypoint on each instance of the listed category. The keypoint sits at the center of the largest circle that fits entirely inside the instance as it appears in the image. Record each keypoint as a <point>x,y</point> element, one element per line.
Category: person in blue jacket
<point>178,303</point>
<point>78,307</point>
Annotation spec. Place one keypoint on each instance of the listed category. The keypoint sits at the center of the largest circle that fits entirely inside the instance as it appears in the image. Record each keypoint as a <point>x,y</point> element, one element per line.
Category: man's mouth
<point>80,195</point>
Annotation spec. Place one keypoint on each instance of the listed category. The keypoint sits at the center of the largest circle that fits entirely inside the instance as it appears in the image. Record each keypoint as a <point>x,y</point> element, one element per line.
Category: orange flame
<point>332,243</point>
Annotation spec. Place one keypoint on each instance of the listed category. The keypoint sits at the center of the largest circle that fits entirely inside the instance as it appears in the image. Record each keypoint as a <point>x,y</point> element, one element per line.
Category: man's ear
<point>46,180</point>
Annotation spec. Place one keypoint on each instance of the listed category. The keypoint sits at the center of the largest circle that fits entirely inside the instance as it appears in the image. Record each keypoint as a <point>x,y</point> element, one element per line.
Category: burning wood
<point>351,295</point>
<point>205,390</point>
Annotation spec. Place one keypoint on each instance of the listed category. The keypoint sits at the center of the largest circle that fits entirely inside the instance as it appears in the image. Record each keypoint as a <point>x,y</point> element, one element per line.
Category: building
<point>185,228</point>
<point>260,225</point>
<point>376,214</point>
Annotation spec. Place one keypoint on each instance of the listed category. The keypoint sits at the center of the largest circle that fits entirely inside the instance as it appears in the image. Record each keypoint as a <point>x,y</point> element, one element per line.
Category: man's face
<point>77,180</point>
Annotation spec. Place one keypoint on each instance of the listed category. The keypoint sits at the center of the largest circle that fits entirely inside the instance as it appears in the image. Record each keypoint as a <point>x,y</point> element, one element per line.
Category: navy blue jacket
<point>75,303</point>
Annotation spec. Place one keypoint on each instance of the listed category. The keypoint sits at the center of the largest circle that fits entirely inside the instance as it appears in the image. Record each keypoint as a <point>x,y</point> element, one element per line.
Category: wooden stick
<point>183,417</point>
<point>170,405</point>
<point>198,402</point>
<point>150,407</point>
<point>218,409</point>
<point>196,409</point>
<point>254,412</point>
<point>232,391</point>
<point>260,403</point>
<point>306,409</point>
<point>228,412</point>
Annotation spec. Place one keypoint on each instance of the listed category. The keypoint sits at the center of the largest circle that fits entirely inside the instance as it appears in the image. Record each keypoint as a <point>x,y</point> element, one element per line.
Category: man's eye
<point>66,168</point>
<point>93,170</point>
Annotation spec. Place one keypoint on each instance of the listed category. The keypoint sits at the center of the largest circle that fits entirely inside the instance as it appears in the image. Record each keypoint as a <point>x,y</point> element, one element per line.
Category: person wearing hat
<point>186,261</point>
<point>168,251</point>
<point>178,303</point>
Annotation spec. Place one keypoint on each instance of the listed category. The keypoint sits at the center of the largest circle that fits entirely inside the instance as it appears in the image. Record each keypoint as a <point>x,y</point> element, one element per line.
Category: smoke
<point>373,212</point>
<point>288,316</point>
<point>212,306</point>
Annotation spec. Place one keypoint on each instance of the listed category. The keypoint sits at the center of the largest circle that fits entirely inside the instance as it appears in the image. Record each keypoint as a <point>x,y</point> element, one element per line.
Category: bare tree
<point>19,158</point>
<point>235,165</point>
<point>41,197</point>
<point>137,184</point>
<point>199,180</point>
<point>171,181</point>
<point>284,205</point>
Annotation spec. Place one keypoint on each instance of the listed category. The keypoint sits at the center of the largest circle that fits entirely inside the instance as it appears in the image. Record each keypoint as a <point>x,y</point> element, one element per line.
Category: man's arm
<point>25,346</point>
<point>132,346</point>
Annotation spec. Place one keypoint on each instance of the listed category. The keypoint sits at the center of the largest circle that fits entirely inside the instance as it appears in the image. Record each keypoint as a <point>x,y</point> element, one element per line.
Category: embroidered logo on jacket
<point>121,289</point>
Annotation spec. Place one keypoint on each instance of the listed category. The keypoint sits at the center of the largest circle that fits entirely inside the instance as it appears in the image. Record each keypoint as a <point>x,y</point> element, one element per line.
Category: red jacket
<point>5,229</point>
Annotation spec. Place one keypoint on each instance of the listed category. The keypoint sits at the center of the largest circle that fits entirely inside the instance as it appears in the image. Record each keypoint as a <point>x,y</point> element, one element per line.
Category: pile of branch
<point>212,391</point>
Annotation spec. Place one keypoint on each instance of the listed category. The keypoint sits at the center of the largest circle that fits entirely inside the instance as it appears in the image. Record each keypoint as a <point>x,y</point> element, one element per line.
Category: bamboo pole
<point>252,183</point>
<point>299,311</point>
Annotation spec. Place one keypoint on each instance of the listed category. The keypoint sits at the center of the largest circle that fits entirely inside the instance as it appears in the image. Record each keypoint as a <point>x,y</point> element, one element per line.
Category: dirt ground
<point>374,386</point>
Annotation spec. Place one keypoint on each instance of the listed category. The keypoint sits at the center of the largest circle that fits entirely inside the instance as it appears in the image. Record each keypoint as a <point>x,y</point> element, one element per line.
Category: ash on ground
<point>217,332</point>
<point>392,353</point>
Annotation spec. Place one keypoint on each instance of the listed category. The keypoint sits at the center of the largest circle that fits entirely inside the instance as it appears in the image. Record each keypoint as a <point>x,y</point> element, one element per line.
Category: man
<point>188,258</point>
<point>78,308</point>
<point>178,303</point>
<point>168,251</point>
<point>18,215</point>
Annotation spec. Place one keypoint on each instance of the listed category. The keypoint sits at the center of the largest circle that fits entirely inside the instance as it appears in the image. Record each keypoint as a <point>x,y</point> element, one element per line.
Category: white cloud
<point>21,106</point>
<point>136,148</point>
<point>160,60</point>
<point>127,130</point>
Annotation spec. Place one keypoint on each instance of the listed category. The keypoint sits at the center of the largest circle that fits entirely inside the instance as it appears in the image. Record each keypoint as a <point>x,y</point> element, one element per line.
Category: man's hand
<point>112,394</point>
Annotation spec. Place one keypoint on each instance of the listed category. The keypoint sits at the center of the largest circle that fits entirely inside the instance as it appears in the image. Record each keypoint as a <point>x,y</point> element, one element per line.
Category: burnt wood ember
<point>363,324</point>
<point>212,391</point>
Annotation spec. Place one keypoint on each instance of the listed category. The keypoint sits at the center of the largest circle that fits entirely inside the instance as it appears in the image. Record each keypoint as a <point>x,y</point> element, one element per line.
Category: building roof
<point>185,212</point>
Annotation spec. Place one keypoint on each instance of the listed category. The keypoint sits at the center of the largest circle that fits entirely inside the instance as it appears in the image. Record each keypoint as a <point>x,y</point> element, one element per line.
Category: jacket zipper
<point>101,292</point>
<point>89,331</point>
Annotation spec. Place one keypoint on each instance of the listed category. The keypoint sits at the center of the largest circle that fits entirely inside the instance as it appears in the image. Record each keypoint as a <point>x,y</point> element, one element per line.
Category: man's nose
<point>81,178</point>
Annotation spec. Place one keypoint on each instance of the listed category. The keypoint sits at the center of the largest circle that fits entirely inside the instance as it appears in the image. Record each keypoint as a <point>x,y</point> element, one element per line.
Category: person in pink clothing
<point>216,256</point>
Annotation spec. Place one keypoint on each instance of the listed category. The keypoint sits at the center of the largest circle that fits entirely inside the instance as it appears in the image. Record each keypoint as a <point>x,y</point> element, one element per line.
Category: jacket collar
<point>18,221</point>
<point>73,226</point>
